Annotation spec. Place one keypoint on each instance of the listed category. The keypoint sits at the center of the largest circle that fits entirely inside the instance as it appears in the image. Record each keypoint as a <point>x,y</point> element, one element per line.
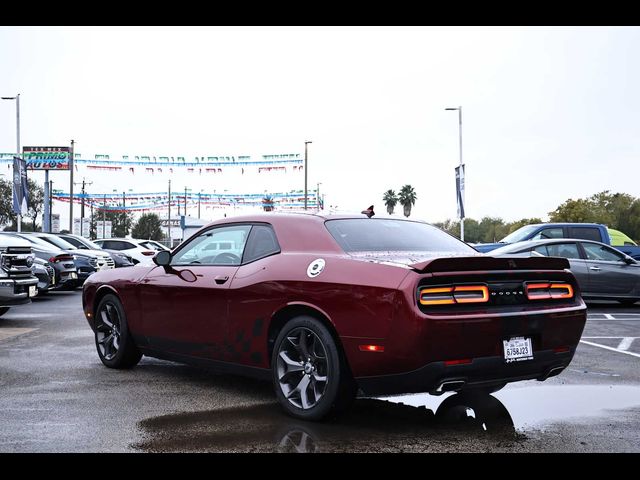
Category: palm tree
<point>267,203</point>
<point>390,200</point>
<point>407,198</point>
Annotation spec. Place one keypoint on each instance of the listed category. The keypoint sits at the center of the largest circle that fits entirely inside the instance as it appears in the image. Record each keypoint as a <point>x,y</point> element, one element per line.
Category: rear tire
<point>489,413</point>
<point>114,342</point>
<point>310,374</point>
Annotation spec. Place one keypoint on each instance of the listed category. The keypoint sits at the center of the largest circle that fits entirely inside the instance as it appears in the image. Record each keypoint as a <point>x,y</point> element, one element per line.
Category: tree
<point>573,211</point>
<point>36,202</point>
<point>6,202</point>
<point>390,200</point>
<point>513,226</point>
<point>148,227</point>
<point>121,221</point>
<point>407,198</point>
<point>267,203</point>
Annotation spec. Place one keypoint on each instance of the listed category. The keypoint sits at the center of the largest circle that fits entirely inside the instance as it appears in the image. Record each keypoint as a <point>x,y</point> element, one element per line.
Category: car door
<point>185,305</point>
<point>571,252</point>
<point>609,274</point>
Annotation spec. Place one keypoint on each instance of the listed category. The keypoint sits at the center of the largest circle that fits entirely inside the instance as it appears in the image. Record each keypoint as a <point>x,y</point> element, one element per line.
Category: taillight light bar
<point>454,294</point>
<point>548,291</point>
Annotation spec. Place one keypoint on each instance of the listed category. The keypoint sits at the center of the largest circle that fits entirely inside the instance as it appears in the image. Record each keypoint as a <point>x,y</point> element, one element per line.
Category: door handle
<point>595,269</point>
<point>220,279</point>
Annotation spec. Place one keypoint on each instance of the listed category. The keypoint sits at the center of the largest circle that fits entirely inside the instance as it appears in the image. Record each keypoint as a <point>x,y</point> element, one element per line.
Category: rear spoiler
<point>457,264</point>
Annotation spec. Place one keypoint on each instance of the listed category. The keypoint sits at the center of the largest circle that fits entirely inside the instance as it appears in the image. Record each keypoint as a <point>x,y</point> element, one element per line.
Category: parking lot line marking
<point>626,343</point>
<point>608,316</point>
<point>13,332</point>
<point>611,348</point>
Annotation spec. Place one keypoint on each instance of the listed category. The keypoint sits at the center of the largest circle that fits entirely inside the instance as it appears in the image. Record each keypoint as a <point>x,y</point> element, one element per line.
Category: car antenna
<point>369,212</point>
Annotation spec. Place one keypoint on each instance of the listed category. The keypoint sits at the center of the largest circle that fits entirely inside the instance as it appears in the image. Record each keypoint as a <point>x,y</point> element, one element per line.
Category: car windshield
<point>519,234</point>
<point>58,242</point>
<point>377,235</point>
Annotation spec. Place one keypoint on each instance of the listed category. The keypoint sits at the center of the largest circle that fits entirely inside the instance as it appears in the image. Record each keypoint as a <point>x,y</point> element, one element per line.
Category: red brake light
<point>455,294</point>
<point>548,291</point>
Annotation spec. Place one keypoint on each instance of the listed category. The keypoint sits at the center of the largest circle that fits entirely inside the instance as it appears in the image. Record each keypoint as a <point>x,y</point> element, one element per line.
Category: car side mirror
<point>162,259</point>
<point>629,261</point>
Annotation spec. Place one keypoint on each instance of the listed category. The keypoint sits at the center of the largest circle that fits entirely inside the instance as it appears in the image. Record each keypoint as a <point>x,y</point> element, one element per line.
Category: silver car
<point>603,273</point>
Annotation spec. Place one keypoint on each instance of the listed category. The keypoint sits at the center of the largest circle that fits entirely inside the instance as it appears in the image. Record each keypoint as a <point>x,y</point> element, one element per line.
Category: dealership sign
<point>47,158</point>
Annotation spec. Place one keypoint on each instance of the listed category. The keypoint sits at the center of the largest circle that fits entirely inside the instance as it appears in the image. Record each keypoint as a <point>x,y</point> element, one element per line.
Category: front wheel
<point>114,342</point>
<point>310,375</point>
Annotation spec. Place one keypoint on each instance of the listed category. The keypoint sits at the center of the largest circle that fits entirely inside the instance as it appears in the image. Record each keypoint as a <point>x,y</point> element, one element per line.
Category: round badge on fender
<point>315,268</point>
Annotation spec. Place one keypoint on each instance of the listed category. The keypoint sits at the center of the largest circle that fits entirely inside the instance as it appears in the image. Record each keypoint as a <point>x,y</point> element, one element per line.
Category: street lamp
<point>305,173</point>
<point>17,99</point>
<point>461,172</point>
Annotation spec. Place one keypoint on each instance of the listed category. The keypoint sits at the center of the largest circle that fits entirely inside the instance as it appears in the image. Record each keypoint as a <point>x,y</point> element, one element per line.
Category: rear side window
<point>564,250</point>
<point>380,235</point>
<point>262,242</point>
<point>585,233</point>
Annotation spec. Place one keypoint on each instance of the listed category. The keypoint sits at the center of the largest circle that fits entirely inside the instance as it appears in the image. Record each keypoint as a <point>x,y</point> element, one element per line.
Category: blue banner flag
<point>460,190</point>
<point>20,188</point>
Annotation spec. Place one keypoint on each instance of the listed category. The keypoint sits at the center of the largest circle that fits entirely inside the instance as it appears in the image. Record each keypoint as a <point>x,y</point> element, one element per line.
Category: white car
<point>142,251</point>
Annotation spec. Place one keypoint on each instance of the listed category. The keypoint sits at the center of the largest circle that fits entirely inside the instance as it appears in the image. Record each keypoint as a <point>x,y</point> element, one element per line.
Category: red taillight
<point>371,348</point>
<point>455,294</point>
<point>561,350</point>
<point>148,253</point>
<point>548,291</point>
<point>464,361</point>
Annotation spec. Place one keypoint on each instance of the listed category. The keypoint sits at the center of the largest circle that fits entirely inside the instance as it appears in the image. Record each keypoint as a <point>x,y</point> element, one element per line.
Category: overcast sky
<point>548,113</point>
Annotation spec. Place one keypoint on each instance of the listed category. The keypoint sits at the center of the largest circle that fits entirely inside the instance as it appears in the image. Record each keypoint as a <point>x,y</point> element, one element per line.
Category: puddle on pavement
<point>536,406</point>
<point>453,422</point>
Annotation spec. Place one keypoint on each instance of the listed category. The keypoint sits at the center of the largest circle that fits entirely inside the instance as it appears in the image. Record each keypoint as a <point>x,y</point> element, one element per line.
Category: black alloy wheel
<point>310,375</point>
<point>114,343</point>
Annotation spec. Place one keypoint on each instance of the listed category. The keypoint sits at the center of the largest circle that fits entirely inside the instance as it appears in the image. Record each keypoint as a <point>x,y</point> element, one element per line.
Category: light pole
<point>318,196</point>
<point>305,173</point>
<point>17,99</point>
<point>461,171</point>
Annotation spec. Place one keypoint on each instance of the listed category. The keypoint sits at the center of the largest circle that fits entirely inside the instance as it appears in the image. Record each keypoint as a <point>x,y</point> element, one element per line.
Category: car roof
<point>548,241</point>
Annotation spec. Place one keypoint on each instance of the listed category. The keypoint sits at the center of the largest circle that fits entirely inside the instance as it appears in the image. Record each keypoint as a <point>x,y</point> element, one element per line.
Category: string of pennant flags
<point>131,201</point>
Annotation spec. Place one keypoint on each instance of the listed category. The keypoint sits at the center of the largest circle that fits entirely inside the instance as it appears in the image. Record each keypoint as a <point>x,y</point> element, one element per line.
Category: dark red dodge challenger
<point>329,306</point>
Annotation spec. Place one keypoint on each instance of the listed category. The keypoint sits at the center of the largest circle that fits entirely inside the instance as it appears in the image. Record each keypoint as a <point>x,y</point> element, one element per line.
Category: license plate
<point>33,291</point>
<point>517,349</point>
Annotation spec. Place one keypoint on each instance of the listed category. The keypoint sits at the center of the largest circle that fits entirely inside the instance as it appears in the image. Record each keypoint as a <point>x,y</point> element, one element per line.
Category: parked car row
<point>34,263</point>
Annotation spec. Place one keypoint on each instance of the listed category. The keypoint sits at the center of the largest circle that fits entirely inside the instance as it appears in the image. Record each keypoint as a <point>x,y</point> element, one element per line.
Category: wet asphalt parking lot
<point>55,396</point>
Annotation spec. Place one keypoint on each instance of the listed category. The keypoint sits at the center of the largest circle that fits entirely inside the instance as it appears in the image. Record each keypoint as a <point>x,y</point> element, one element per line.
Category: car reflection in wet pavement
<point>418,423</point>
<point>370,424</point>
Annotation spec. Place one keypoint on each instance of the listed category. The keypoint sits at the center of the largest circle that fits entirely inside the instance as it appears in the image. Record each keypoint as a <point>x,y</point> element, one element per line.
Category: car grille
<point>17,261</point>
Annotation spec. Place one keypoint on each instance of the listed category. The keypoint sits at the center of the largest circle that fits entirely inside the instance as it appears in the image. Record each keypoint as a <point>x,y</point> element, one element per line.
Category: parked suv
<point>17,284</point>
<point>142,251</point>
<point>120,259</point>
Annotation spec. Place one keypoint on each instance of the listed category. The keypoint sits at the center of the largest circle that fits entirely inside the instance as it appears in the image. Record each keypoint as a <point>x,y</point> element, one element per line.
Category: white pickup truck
<point>17,282</point>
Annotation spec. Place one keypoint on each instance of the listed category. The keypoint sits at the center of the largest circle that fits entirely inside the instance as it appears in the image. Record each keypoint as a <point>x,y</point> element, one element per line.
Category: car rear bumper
<point>437,378</point>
